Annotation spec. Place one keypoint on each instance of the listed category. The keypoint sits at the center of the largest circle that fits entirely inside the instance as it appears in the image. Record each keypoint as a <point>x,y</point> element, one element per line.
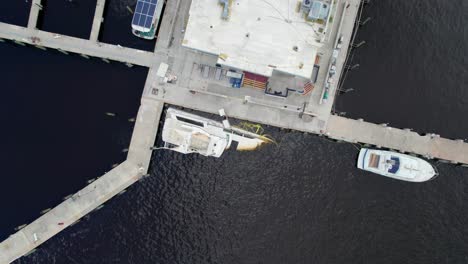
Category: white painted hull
<point>395,165</point>
<point>188,133</point>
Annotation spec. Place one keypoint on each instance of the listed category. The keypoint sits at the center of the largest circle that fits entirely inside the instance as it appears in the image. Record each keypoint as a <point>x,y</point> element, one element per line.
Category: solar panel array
<point>144,13</point>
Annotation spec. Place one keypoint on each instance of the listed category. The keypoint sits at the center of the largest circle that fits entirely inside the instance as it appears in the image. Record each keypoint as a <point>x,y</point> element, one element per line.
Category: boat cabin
<point>390,164</point>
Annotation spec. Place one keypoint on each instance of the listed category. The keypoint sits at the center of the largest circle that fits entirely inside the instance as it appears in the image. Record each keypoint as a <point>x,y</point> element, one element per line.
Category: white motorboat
<point>188,133</point>
<point>395,165</point>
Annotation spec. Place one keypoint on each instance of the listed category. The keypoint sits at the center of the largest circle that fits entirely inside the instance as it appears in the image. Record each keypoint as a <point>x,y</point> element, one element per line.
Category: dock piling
<point>62,51</point>
<point>359,44</point>
<point>352,67</point>
<point>40,47</point>
<point>19,43</point>
<point>98,19</point>
<point>36,7</point>
<point>347,90</point>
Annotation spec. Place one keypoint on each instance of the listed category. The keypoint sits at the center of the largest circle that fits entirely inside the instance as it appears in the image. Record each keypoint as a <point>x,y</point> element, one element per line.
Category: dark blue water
<point>64,16</point>
<point>55,130</point>
<point>302,201</point>
<point>15,12</point>
<point>117,24</point>
<point>414,67</point>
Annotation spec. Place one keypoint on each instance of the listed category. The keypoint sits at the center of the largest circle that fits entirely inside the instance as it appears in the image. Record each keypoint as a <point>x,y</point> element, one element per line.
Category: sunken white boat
<point>188,133</point>
<point>395,165</point>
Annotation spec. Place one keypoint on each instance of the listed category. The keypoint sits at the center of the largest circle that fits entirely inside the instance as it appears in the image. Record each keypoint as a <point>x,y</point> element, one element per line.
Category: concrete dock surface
<point>430,146</point>
<point>144,133</point>
<point>68,212</point>
<point>97,20</point>
<point>192,91</point>
<point>36,8</point>
<point>347,11</point>
<point>76,45</point>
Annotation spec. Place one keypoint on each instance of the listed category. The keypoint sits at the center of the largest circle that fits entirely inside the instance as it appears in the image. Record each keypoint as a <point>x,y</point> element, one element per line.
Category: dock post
<point>84,56</point>
<point>64,52</point>
<point>40,47</point>
<point>359,44</point>
<point>45,211</point>
<point>352,67</point>
<point>19,43</point>
<point>98,208</point>
<point>365,21</point>
<point>30,252</point>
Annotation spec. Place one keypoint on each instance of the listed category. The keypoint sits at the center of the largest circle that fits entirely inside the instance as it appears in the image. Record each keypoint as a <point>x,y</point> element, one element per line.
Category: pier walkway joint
<point>36,7</point>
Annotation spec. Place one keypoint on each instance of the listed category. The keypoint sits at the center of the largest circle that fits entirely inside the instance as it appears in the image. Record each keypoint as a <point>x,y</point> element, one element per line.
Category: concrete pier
<point>76,45</point>
<point>98,19</point>
<point>36,7</point>
<point>93,195</point>
<point>68,212</point>
<point>430,146</point>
